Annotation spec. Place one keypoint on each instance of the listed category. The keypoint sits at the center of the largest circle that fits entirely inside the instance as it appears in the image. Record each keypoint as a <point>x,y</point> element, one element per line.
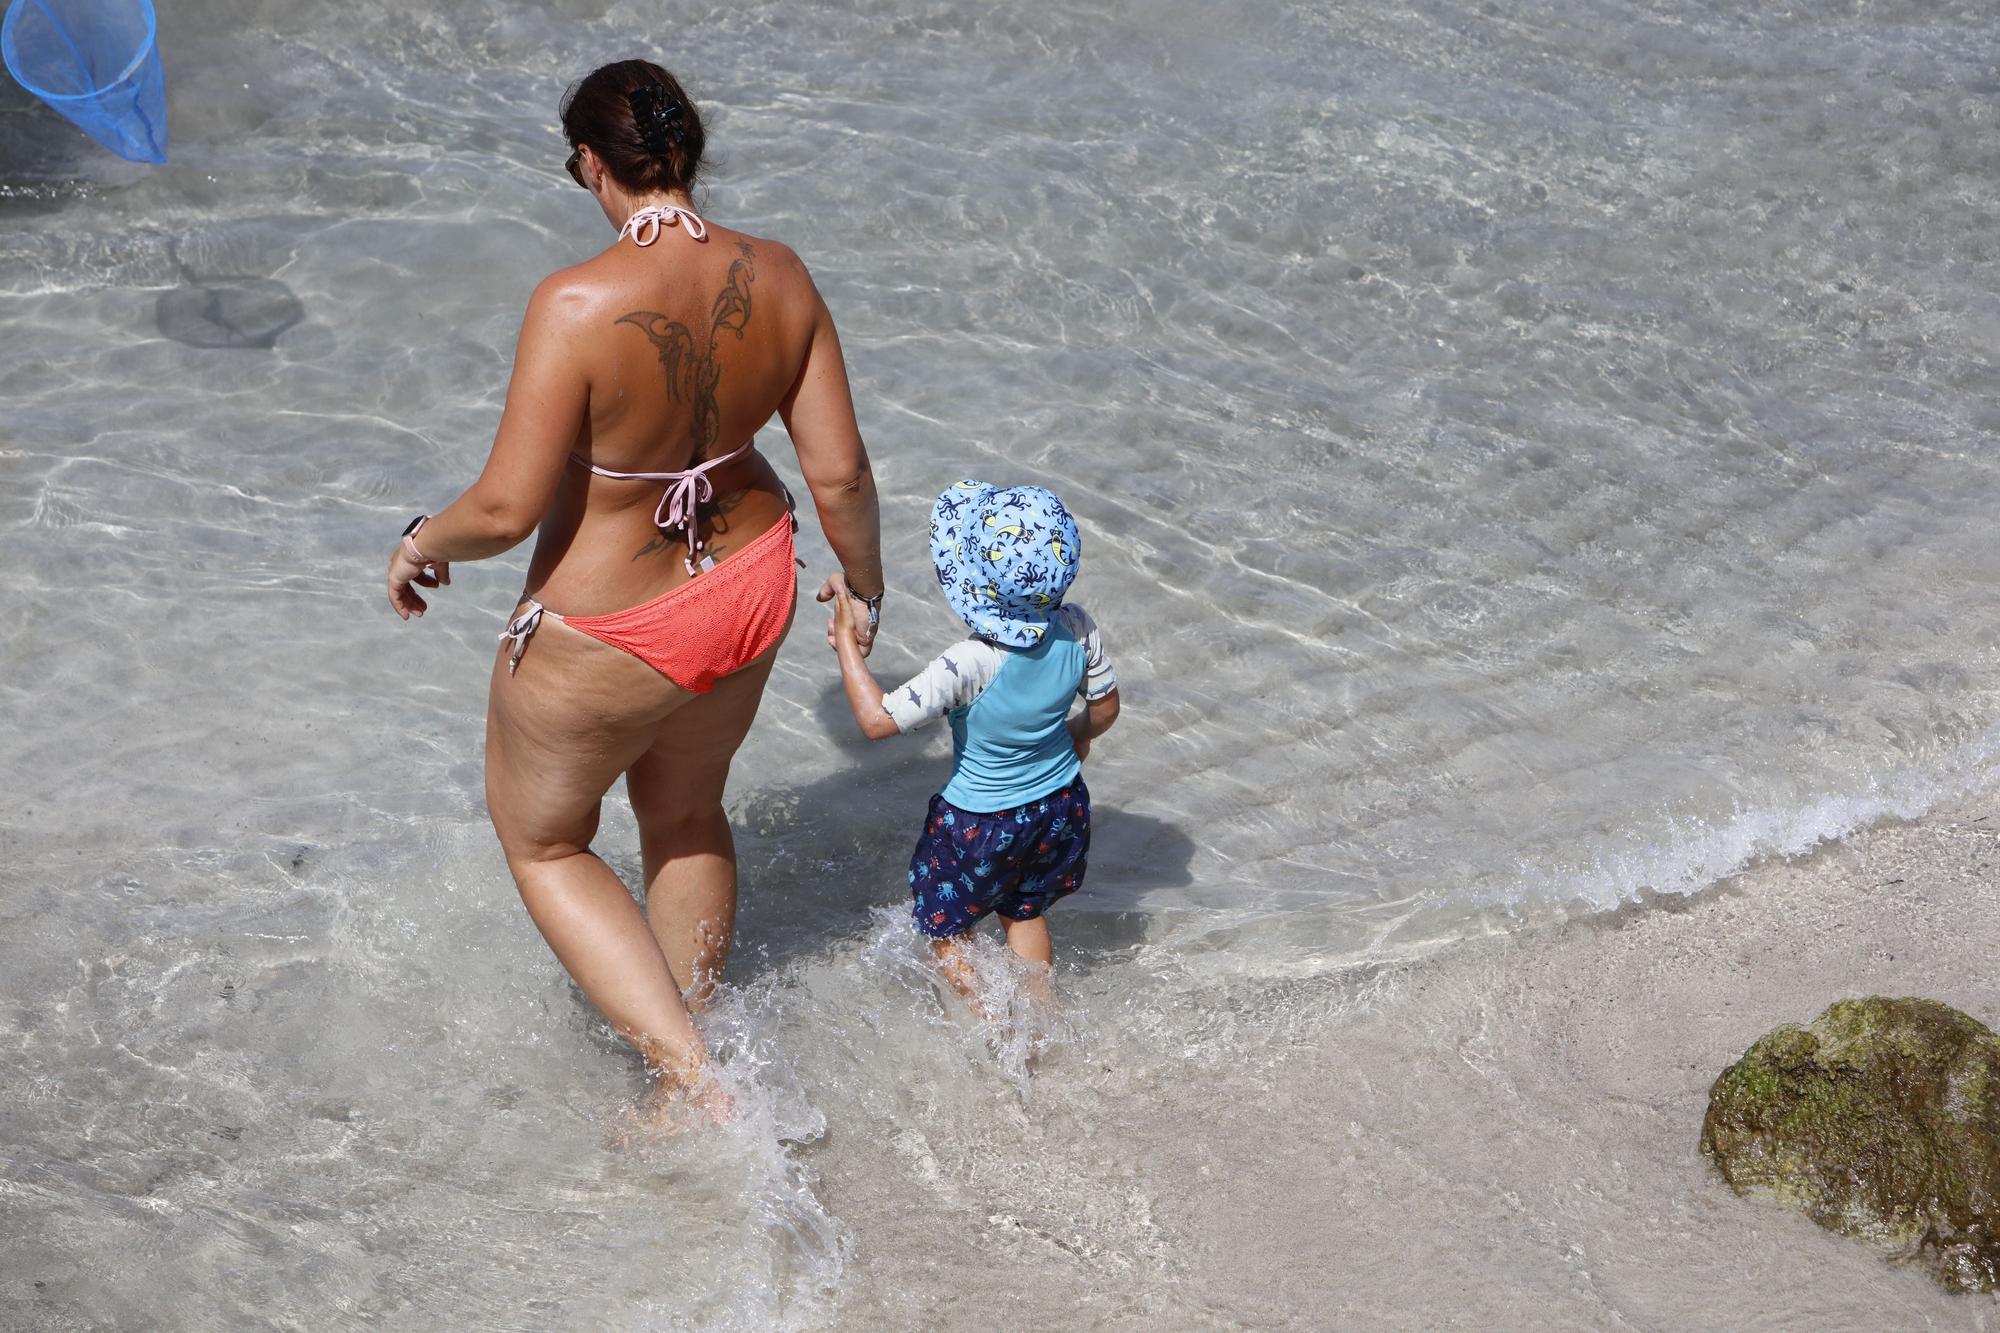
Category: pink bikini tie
<point>685,494</point>
<point>644,226</point>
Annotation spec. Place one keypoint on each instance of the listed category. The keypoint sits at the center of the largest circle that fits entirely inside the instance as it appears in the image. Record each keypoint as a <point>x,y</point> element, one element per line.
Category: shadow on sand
<point>817,860</point>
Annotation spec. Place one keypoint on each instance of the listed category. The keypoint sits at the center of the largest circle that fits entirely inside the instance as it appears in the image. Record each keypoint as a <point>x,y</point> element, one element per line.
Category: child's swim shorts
<point>1015,862</point>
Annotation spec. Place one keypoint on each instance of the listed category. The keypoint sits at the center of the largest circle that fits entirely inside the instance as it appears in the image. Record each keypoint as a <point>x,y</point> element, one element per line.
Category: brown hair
<point>638,120</point>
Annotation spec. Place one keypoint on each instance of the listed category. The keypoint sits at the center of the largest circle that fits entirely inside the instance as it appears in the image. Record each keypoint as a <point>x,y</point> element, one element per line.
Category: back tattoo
<point>692,376</point>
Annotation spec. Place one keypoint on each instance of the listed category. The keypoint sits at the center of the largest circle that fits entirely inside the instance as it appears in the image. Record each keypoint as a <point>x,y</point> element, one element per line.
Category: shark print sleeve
<point>1098,677</point>
<point>953,680</point>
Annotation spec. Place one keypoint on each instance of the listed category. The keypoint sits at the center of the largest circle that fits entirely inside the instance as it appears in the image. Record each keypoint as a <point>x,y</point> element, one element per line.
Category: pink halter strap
<point>644,226</point>
<point>686,493</point>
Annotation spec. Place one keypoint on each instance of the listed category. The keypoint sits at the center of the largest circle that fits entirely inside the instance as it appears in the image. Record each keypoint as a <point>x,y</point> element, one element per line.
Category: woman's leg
<point>690,856</point>
<point>558,734</point>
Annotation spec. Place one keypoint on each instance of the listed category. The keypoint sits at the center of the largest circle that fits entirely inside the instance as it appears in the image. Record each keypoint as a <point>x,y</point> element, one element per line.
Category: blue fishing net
<point>98,63</point>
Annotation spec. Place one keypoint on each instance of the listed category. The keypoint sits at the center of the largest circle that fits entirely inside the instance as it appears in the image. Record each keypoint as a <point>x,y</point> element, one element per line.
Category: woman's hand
<point>844,620</point>
<point>405,571</point>
<point>547,401</point>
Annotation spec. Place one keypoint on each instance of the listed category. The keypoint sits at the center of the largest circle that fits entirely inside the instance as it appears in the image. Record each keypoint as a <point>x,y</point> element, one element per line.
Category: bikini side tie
<point>644,226</point>
<point>521,628</point>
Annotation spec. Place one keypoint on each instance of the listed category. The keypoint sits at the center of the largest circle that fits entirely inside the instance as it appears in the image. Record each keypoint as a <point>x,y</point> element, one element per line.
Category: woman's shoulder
<point>579,297</point>
<point>774,260</point>
<point>566,298</point>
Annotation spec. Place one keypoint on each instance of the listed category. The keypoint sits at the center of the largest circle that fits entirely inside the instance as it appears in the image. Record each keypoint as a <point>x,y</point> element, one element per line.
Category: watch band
<point>410,540</point>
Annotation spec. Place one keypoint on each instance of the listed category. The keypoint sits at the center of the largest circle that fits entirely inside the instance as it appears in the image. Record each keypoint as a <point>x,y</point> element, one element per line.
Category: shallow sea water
<point>1532,459</point>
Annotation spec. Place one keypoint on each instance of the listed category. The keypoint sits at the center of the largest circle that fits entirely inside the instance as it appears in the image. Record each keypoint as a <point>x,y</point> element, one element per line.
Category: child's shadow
<point>819,859</point>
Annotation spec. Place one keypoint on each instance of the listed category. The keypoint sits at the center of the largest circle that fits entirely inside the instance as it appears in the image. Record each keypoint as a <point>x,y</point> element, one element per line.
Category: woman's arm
<point>546,401</point>
<point>818,412</point>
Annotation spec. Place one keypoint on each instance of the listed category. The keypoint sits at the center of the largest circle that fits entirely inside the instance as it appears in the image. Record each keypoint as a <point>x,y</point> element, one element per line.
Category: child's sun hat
<point>1004,558</point>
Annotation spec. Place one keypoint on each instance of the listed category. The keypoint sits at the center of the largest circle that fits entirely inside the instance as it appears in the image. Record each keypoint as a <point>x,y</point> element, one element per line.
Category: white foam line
<point>1699,853</point>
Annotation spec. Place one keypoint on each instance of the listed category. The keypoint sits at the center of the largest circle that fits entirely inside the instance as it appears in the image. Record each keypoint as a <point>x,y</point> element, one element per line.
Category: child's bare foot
<point>954,960</point>
<point>1038,982</point>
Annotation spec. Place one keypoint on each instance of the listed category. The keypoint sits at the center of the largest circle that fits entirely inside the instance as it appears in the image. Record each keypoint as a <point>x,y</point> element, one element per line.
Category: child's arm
<point>1096,718</point>
<point>864,693</point>
<point>1099,686</point>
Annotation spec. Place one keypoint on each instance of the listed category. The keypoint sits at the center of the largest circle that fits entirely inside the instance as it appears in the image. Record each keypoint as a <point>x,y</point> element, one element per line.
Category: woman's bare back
<point>687,346</point>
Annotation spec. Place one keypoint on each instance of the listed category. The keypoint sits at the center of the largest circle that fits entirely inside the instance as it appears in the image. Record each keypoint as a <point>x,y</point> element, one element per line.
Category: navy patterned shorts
<point>1014,862</point>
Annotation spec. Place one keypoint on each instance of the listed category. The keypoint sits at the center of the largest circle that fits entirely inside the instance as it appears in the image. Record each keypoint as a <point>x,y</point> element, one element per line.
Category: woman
<point>663,579</point>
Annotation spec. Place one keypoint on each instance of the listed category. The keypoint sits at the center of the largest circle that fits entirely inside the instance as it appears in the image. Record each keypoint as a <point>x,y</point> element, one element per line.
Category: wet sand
<point>1500,1136</point>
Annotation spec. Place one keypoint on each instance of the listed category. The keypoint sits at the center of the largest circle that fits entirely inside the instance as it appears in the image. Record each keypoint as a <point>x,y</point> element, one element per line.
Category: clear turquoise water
<point>1530,459</point>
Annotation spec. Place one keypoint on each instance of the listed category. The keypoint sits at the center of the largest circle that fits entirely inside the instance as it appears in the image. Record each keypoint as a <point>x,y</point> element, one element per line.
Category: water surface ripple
<point>1529,456</point>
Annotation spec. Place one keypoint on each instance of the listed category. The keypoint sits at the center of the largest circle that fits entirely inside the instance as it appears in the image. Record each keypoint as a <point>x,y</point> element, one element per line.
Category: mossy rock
<point>1881,1120</point>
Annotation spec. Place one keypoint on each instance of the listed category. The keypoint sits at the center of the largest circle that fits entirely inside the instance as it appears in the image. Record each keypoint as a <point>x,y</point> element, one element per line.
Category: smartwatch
<point>410,539</point>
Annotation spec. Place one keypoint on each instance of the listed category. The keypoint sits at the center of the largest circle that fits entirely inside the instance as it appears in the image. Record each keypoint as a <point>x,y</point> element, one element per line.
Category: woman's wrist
<point>854,586</point>
<point>873,604</point>
<point>410,540</point>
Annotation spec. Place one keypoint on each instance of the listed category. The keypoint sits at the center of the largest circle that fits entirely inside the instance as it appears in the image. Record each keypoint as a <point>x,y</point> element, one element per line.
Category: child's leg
<point>1029,940</point>
<point>950,953</point>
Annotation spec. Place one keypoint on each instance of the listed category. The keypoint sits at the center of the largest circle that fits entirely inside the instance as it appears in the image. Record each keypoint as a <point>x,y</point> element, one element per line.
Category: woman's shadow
<point>817,861</point>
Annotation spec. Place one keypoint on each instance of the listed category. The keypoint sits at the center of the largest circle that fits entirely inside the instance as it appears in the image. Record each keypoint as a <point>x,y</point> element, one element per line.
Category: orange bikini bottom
<point>716,623</point>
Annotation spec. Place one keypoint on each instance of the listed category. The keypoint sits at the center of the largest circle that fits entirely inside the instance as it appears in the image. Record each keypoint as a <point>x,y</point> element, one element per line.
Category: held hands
<point>845,623</point>
<point>404,571</point>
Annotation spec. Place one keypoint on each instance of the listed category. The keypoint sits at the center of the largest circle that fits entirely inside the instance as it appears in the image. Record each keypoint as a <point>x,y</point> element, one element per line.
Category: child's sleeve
<point>1099,679</point>
<point>954,679</point>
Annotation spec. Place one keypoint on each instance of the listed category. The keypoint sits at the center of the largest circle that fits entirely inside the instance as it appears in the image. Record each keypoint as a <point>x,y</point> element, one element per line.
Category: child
<point>1009,832</point>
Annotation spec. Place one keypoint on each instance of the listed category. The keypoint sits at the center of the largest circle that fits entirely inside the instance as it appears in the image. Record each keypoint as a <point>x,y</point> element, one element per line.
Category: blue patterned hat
<point>1004,558</point>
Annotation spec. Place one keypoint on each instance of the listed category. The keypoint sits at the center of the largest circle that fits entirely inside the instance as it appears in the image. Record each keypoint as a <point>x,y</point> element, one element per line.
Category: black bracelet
<point>874,605</point>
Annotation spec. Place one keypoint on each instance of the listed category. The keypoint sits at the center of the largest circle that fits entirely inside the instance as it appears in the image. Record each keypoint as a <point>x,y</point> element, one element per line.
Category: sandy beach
<point>1501,1136</point>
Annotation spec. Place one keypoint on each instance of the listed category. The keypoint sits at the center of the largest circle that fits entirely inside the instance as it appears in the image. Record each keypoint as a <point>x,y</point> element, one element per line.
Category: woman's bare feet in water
<point>671,1109</point>
<point>684,1097</point>
<point>691,1103</point>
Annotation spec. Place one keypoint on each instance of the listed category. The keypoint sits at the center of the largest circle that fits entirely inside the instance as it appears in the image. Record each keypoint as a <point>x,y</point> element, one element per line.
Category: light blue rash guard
<point>1009,744</point>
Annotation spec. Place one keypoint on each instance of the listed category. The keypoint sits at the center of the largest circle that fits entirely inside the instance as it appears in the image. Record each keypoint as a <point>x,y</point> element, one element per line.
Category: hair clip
<point>659,116</point>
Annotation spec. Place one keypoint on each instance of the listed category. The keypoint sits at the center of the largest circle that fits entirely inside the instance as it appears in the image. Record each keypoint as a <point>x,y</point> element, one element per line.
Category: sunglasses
<point>575,167</point>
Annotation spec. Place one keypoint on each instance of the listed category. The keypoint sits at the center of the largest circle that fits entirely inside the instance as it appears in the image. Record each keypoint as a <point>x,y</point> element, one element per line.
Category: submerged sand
<point>1500,1136</point>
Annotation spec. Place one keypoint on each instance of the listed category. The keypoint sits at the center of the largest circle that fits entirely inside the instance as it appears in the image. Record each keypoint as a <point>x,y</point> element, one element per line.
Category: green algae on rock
<point>1880,1120</point>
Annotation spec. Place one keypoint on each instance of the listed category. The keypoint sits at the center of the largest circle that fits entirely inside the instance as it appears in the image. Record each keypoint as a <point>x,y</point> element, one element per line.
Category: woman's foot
<point>676,1108</point>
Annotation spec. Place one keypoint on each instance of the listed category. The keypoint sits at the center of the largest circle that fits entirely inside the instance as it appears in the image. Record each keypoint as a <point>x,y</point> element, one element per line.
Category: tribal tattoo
<point>692,376</point>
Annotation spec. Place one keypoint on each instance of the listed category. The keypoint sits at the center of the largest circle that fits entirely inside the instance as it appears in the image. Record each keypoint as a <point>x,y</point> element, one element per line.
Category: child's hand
<point>864,692</point>
<point>842,625</point>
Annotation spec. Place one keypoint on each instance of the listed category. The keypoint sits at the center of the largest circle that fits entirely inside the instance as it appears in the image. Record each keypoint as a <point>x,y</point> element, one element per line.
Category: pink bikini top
<point>688,490</point>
